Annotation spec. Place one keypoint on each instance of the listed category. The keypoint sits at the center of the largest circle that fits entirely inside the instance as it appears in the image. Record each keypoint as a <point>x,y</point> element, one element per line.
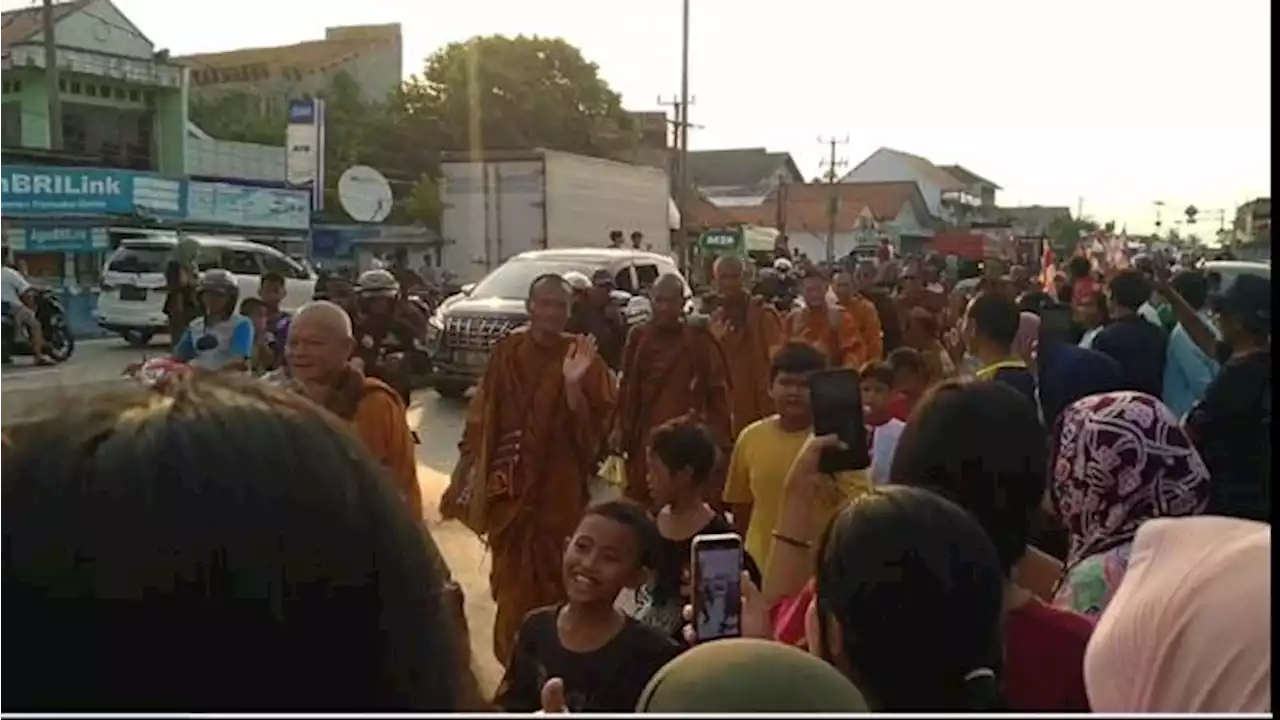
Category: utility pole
<point>52,81</point>
<point>680,139</point>
<point>833,165</point>
<point>682,131</point>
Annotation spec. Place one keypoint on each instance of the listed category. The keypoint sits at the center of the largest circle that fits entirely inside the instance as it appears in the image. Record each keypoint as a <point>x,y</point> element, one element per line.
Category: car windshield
<point>1229,275</point>
<point>140,258</point>
<point>513,278</point>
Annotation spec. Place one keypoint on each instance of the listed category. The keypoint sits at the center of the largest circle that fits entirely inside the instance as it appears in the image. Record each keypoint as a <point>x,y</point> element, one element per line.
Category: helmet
<point>577,280</point>
<point>782,265</point>
<point>219,281</point>
<point>377,283</point>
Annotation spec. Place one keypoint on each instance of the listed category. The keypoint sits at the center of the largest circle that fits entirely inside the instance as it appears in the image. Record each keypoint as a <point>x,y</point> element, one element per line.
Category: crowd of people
<point>1039,529</point>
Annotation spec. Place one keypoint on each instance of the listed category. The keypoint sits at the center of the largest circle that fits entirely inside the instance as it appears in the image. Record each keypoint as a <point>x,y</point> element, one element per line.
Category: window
<point>242,262</point>
<point>283,265</point>
<point>647,275</point>
<point>623,280</point>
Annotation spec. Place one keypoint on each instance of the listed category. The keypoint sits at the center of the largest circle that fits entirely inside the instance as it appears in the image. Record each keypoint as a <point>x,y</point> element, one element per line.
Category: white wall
<point>99,27</point>
<point>235,160</point>
<point>888,167</point>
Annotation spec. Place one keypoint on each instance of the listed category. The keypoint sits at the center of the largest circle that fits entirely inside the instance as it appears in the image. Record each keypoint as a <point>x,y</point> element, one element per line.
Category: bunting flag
<point>1046,270</point>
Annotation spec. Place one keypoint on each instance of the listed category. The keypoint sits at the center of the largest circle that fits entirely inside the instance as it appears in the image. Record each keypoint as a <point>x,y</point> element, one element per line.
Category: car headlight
<point>436,321</point>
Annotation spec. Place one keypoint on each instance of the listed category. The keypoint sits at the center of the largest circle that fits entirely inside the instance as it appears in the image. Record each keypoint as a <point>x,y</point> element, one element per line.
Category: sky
<point>1112,105</point>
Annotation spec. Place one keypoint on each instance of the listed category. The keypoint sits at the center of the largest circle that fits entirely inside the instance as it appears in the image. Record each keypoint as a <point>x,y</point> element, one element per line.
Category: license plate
<point>133,294</point>
<point>471,358</point>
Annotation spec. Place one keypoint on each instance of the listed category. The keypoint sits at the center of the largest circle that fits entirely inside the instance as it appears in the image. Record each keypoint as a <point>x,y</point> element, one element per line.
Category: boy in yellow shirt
<point>765,449</point>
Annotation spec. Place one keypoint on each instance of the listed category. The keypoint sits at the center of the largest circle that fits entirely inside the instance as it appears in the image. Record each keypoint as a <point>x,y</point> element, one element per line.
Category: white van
<point>131,302</point>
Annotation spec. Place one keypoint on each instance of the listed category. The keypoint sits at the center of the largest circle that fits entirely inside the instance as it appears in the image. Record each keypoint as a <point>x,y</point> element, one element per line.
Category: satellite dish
<point>364,194</point>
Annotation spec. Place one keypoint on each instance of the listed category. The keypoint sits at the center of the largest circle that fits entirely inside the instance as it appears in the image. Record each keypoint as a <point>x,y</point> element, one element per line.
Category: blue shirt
<point>234,341</point>
<point>1187,370</point>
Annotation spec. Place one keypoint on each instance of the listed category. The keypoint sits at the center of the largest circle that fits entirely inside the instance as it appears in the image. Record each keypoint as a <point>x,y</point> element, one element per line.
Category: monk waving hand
<point>750,331</point>
<point>531,442</point>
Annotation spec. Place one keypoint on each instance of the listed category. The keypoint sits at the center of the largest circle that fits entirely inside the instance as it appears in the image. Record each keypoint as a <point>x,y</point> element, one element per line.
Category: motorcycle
<point>59,343</point>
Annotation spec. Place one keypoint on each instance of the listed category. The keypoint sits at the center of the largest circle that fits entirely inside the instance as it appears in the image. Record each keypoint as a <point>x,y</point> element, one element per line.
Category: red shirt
<point>1044,659</point>
<point>899,406</point>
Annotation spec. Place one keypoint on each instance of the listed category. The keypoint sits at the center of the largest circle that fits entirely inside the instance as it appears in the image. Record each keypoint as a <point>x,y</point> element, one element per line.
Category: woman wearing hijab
<point>1189,631</point>
<point>749,676</point>
<point>1119,459</point>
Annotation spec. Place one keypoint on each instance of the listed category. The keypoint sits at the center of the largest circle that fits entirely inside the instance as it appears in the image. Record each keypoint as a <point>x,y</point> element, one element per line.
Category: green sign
<point>721,241</point>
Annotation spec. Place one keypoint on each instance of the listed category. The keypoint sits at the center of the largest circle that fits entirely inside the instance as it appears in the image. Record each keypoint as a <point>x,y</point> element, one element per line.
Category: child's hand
<point>553,697</point>
<point>755,616</point>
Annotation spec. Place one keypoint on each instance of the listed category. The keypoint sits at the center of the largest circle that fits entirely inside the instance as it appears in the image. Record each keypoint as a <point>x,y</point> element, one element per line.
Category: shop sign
<point>248,206</point>
<point>88,191</point>
<point>58,239</point>
<point>721,241</point>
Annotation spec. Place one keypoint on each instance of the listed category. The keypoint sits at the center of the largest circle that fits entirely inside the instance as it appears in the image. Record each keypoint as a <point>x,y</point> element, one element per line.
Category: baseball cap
<point>602,278</point>
<point>1249,300</point>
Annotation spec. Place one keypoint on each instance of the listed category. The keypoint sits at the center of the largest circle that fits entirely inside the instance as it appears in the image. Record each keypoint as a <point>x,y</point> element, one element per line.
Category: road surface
<point>96,366</point>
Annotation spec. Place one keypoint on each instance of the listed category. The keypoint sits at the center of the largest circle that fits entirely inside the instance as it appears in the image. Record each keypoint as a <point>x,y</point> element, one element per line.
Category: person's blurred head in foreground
<point>909,594</point>
<point>1189,630</point>
<point>749,676</point>
<point>219,547</point>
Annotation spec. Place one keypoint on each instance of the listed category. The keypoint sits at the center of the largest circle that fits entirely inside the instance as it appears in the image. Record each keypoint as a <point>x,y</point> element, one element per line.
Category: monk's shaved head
<point>550,297</point>
<point>543,283</point>
<point>668,284</point>
<point>324,316</point>
<point>728,263</point>
<point>667,295</point>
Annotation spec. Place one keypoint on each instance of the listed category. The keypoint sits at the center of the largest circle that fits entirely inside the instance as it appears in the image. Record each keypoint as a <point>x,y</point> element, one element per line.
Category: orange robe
<point>830,329</point>
<point>532,456</point>
<point>667,375</point>
<point>379,420</point>
<point>751,342</point>
<point>867,326</point>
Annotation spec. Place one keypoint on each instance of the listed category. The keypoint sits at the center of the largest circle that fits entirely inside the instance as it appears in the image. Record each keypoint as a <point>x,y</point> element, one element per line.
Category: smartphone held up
<point>716,573</point>
<point>836,398</point>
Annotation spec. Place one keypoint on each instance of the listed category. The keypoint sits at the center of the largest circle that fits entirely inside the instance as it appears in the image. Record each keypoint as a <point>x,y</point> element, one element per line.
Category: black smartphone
<point>716,574</point>
<point>836,399</point>
<point>1056,323</point>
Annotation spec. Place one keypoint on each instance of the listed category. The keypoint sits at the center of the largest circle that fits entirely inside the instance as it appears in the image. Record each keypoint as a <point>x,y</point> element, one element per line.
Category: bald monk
<point>532,440</point>
<point>829,328</point>
<point>865,318</point>
<point>749,331</point>
<point>317,352</point>
<point>669,369</point>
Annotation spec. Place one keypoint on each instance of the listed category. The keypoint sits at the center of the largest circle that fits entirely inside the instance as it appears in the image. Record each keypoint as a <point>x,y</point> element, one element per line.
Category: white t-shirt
<point>884,440</point>
<point>13,286</point>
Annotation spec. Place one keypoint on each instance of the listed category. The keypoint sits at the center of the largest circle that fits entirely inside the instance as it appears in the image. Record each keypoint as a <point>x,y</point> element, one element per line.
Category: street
<point>97,364</point>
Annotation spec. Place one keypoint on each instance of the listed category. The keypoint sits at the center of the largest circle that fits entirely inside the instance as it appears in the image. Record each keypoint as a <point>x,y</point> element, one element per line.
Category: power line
<point>833,165</point>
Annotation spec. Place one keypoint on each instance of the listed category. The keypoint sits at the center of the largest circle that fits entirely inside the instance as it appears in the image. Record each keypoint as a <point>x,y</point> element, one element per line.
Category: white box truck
<point>497,204</point>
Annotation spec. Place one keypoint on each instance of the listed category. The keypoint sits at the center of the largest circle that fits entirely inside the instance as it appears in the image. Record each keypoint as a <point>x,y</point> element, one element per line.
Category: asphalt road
<point>26,391</point>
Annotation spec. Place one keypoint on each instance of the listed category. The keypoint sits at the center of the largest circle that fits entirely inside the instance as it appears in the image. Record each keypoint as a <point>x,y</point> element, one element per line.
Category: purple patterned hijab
<point>1120,459</point>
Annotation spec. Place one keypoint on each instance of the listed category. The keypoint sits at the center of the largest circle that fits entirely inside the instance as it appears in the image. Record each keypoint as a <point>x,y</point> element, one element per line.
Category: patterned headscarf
<point>1122,458</point>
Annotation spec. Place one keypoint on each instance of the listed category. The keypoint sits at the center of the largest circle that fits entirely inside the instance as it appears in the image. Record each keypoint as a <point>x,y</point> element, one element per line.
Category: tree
<point>523,92</point>
<point>1065,233</point>
<point>238,117</point>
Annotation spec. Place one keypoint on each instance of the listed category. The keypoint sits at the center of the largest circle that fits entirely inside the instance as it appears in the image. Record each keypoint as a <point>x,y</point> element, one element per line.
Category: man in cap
<point>596,314</point>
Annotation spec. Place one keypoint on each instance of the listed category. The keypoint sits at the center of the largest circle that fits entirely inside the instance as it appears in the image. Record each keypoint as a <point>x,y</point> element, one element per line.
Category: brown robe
<point>532,456</point>
<point>751,340</point>
<point>666,375</point>
<point>831,329</point>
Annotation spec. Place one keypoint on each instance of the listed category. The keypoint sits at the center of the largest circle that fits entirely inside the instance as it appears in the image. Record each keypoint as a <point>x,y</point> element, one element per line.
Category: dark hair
<point>1078,267</point>
<point>1034,301</point>
<point>271,277</point>
<point>224,546</point>
<point>684,443</point>
<point>637,519</point>
<point>879,371</point>
<point>1193,286</point>
<point>995,318</point>
<point>795,358</point>
<point>902,568</point>
<point>250,304</point>
<point>981,445</point>
<point>1129,289</point>
<point>907,359</point>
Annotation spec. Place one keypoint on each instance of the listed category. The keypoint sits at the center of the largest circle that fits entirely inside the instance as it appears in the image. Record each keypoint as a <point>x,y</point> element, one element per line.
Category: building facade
<point>948,199</point>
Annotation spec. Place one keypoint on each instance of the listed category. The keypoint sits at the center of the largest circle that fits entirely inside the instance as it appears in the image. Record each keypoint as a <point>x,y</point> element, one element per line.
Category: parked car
<point>131,301</point>
<point>465,325</point>
<point>1224,272</point>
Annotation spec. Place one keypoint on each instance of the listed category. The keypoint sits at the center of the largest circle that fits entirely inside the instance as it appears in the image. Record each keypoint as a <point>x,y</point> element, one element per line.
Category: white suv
<point>133,286</point>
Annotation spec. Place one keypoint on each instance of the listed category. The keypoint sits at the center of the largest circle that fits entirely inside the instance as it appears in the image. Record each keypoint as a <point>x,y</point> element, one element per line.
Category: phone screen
<point>717,586</point>
<point>836,399</point>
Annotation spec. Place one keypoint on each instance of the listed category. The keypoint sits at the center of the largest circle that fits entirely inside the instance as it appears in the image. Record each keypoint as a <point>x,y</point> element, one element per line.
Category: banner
<point>304,157</point>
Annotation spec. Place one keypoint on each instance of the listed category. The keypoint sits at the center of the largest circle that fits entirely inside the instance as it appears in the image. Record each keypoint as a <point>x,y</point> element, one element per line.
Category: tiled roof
<point>968,177</point>
<point>19,25</point>
<point>943,179</point>
<point>743,167</point>
<point>807,205</point>
<point>312,54</point>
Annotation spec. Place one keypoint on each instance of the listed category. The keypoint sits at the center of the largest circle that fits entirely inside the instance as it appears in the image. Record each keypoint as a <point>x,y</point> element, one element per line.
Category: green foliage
<point>1065,233</point>
<point>238,117</point>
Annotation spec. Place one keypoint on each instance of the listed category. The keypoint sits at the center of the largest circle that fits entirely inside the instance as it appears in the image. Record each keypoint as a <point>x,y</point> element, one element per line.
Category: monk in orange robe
<point>829,328</point>
<point>750,332</point>
<point>669,369</point>
<point>865,318</point>
<point>532,440</point>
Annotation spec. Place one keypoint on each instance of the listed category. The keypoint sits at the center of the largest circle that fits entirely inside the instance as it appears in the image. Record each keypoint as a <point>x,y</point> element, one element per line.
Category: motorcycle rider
<point>594,313</point>
<point>380,326</point>
<point>220,339</point>
<point>405,275</point>
<point>16,299</point>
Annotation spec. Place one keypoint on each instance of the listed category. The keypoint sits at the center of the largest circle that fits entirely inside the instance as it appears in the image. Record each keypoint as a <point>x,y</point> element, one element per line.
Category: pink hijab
<point>1189,630</point>
<point>1024,343</point>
